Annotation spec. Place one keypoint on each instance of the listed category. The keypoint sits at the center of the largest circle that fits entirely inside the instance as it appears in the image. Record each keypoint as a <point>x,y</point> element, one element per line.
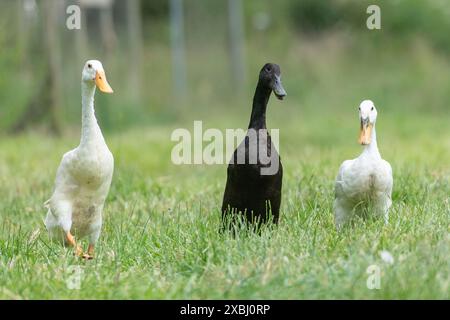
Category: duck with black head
<point>255,172</point>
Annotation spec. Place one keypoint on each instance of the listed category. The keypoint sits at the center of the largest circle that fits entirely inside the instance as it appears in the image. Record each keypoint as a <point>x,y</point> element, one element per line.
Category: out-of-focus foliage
<point>315,15</point>
<point>400,18</point>
<point>155,9</point>
<point>171,249</point>
<point>408,53</point>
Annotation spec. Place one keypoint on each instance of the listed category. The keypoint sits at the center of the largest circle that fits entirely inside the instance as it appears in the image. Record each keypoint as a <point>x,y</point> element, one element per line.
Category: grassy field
<point>160,236</point>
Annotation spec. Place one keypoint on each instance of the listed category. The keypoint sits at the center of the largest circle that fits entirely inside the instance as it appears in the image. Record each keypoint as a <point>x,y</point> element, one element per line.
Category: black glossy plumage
<point>247,191</point>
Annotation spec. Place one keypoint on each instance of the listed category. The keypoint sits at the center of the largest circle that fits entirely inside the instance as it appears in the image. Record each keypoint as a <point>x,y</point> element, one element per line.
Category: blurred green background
<point>171,62</point>
<point>330,61</point>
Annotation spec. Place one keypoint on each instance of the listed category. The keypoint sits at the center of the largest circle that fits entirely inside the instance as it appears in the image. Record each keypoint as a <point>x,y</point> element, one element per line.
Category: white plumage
<point>84,174</point>
<point>364,185</point>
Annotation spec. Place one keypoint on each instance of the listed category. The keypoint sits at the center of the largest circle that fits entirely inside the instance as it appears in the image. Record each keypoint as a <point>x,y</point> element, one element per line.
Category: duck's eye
<point>359,108</point>
<point>268,69</point>
<point>89,65</point>
<point>371,109</point>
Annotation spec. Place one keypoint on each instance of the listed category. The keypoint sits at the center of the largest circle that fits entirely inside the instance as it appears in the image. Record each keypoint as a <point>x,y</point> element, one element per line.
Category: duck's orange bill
<point>102,83</point>
<point>365,133</point>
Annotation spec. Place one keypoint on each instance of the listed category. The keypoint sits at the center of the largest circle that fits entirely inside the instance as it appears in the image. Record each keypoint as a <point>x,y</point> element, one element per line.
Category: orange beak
<point>102,83</point>
<point>365,132</point>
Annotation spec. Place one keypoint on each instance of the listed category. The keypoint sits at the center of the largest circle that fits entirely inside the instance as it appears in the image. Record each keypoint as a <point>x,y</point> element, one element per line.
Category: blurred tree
<point>101,11</point>
<point>178,52</point>
<point>155,9</point>
<point>46,102</point>
<point>81,39</point>
<point>22,32</point>
<point>107,25</point>
<point>236,34</point>
<point>313,16</point>
<point>135,46</point>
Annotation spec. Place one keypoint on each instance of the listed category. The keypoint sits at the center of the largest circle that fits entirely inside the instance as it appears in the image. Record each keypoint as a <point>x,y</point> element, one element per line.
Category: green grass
<point>160,238</point>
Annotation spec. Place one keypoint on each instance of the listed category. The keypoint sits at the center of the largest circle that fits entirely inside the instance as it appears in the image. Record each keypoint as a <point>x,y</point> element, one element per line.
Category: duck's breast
<point>92,167</point>
<point>366,179</point>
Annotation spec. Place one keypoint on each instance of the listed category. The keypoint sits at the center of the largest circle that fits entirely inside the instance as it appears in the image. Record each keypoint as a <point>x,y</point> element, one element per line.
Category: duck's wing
<point>63,180</point>
<point>340,178</point>
<point>389,178</point>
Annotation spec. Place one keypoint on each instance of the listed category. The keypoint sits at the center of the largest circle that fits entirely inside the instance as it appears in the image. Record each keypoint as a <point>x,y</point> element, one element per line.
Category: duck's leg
<point>383,204</point>
<point>342,213</point>
<point>70,240</point>
<point>90,252</point>
<point>63,210</point>
<point>92,241</point>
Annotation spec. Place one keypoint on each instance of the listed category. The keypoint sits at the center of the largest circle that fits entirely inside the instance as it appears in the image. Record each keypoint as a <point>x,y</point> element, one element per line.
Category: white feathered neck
<point>371,150</point>
<point>90,131</point>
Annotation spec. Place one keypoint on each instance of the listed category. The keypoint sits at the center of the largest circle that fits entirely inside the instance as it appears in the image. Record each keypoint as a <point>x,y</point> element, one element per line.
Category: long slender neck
<point>372,148</point>
<point>90,131</point>
<point>260,99</point>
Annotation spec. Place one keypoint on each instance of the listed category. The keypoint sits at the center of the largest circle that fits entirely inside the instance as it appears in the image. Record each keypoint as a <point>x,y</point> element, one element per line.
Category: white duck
<point>364,183</point>
<point>84,174</point>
